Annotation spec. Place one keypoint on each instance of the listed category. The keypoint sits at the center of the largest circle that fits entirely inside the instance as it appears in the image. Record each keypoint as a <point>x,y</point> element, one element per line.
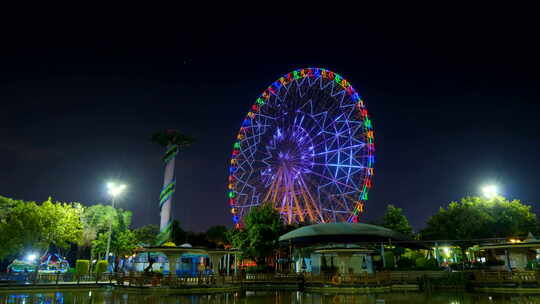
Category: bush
<point>420,262</point>
<point>259,269</point>
<point>81,267</point>
<point>532,265</point>
<point>405,263</point>
<point>389,260</point>
<point>423,263</point>
<point>101,267</point>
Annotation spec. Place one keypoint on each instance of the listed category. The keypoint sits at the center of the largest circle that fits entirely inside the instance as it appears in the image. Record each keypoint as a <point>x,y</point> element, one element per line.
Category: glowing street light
<point>31,257</point>
<point>114,190</point>
<point>490,191</point>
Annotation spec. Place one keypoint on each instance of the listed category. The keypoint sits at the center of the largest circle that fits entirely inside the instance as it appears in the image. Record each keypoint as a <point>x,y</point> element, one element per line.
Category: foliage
<point>259,238</point>
<point>510,218</point>
<point>423,263</point>
<point>82,267</point>
<point>123,240</point>
<point>532,265</point>
<point>174,137</point>
<point>217,235</point>
<point>416,260</point>
<point>476,217</point>
<point>178,235</point>
<point>101,266</point>
<point>389,260</point>
<point>260,269</point>
<point>395,219</point>
<point>147,235</point>
<point>28,226</point>
<point>96,219</point>
<point>405,263</point>
<point>198,239</point>
<point>6,204</point>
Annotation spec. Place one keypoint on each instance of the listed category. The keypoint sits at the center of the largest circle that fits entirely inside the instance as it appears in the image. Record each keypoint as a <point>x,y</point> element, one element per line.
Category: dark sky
<point>453,97</point>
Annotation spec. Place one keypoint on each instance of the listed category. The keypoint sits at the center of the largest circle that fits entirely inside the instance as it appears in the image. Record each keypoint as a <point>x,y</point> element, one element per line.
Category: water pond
<point>102,296</point>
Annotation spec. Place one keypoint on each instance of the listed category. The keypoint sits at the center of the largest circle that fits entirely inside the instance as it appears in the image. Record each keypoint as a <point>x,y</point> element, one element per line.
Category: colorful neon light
<point>299,148</point>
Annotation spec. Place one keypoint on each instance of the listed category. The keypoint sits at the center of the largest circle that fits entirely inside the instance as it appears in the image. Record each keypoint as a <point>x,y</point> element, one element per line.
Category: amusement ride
<point>306,146</point>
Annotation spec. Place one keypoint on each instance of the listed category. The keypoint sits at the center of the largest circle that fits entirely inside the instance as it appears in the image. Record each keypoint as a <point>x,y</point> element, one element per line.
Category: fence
<point>504,277</point>
<point>376,279</point>
<point>53,278</point>
<point>173,281</point>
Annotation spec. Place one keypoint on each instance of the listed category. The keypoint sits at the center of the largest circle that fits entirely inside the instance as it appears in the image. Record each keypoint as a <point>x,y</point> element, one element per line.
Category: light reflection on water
<point>257,297</point>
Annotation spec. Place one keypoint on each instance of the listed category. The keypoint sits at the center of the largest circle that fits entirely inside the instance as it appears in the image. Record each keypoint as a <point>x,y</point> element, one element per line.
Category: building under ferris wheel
<point>306,147</point>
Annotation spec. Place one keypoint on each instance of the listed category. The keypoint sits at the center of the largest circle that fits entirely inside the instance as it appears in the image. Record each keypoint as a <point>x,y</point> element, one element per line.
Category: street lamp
<point>31,257</point>
<point>114,190</point>
<point>490,191</point>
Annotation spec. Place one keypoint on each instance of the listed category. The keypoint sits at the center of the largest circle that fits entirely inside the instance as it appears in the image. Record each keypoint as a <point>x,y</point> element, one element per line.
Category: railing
<point>411,277</point>
<point>53,278</point>
<point>518,277</point>
<point>173,281</point>
<point>380,278</point>
<point>377,279</point>
<point>269,277</point>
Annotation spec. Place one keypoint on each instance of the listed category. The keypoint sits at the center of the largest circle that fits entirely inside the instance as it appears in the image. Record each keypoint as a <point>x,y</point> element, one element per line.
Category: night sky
<point>454,100</point>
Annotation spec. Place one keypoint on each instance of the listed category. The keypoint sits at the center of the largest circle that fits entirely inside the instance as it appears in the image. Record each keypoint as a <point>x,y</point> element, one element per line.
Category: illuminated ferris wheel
<point>306,147</point>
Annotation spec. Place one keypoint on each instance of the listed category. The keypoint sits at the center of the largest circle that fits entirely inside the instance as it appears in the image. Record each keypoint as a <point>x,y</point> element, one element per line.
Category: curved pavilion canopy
<point>342,233</point>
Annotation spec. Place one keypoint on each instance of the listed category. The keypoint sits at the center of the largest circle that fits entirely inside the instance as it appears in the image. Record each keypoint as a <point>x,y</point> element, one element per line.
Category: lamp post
<point>114,190</point>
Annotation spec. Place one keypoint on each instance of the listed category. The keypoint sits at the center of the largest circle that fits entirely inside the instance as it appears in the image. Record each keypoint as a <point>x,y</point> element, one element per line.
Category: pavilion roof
<point>343,233</point>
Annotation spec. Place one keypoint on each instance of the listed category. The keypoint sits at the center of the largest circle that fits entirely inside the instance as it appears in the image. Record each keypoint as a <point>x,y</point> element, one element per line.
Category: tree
<point>178,235</point>
<point>147,235</point>
<point>27,226</point>
<point>259,238</point>
<point>217,235</point>
<point>198,239</point>
<point>477,217</point>
<point>510,218</point>
<point>123,240</point>
<point>20,229</point>
<point>97,217</point>
<point>122,243</point>
<point>395,219</point>
<point>95,220</point>
<point>6,204</point>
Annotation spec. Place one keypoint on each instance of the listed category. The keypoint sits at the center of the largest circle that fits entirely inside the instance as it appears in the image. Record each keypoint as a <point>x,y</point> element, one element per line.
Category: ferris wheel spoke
<point>339,166</point>
<point>310,202</point>
<point>340,149</point>
<point>333,180</point>
<point>317,204</point>
<point>293,197</point>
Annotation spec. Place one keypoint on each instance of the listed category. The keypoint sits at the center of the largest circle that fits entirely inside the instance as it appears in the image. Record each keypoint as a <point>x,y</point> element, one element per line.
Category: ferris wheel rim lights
<point>260,102</point>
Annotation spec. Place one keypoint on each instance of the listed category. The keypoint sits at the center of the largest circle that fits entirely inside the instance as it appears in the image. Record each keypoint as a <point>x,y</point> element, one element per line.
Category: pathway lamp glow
<point>114,190</point>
